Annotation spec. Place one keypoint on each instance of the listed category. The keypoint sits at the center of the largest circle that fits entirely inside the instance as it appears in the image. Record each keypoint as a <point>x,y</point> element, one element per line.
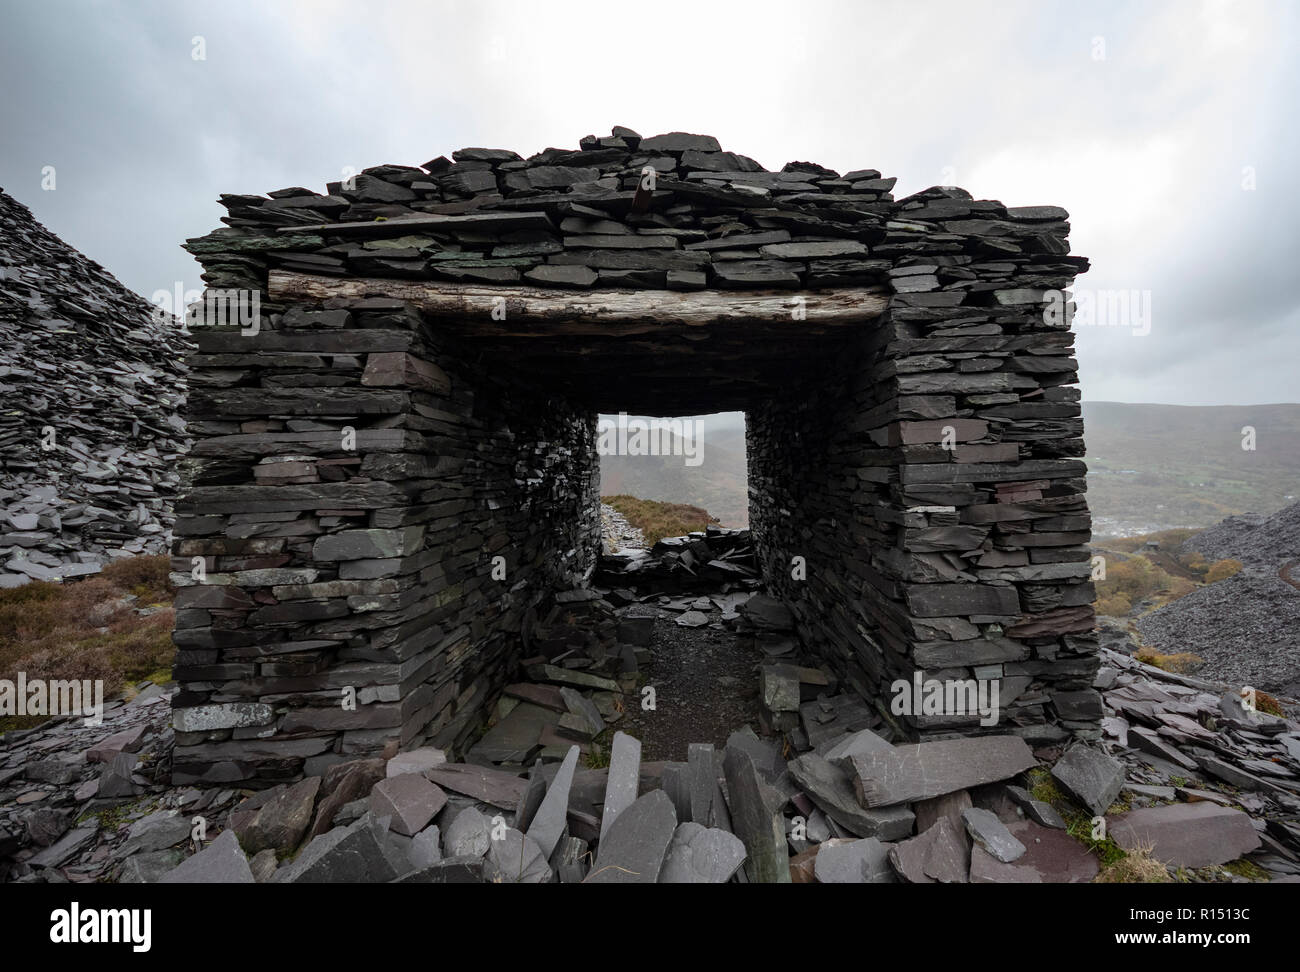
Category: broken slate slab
<point>585,709</point>
<point>701,781</point>
<point>919,771</point>
<point>425,850</point>
<point>515,858</point>
<point>756,819</point>
<point>831,788</point>
<point>853,744</point>
<point>1187,834</point>
<point>359,853</point>
<point>861,861</point>
<point>221,862</point>
<point>1051,857</point>
<point>632,850</point>
<point>1036,810</point>
<point>415,761</point>
<point>992,834</point>
<point>940,854</point>
<point>623,779</point>
<point>468,834</point>
<point>701,855</point>
<point>547,825</point>
<point>1090,777</point>
<point>275,819</point>
<point>488,785</point>
<point>157,831</point>
<point>517,736</point>
<point>409,800</point>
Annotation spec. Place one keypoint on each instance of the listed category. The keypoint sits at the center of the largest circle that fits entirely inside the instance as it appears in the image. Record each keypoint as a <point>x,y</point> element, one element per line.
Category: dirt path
<point>1285,573</point>
<point>706,687</point>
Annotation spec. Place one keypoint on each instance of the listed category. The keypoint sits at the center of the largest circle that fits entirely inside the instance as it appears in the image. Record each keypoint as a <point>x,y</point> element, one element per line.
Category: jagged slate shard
<point>277,819</point>
<point>700,855</point>
<point>1186,834</point>
<point>362,852</point>
<point>468,834</point>
<point>831,788</point>
<point>548,823</point>
<point>514,858</point>
<point>410,800</point>
<point>488,785</point>
<point>221,862</point>
<point>852,744</point>
<point>703,781</point>
<point>1090,777</point>
<point>861,861</point>
<point>623,781</point>
<point>1039,812</point>
<point>581,706</point>
<point>990,833</point>
<point>570,860</point>
<point>632,850</point>
<point>756,820</point>
<point>918,771</point>
<point>425,850</point>
<point>415,761</point>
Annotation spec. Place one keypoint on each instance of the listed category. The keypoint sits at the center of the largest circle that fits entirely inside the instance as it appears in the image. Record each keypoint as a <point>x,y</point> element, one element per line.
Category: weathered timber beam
<point>608,309</point>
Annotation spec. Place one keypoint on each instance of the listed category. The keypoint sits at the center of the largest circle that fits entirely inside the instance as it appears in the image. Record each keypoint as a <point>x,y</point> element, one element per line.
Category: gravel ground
<point>1247,628</point>
<point>706,687</point>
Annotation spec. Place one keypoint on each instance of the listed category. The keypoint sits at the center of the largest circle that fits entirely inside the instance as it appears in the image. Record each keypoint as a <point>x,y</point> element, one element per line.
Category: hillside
<point>717,484</point>
<point>1150,467</point>
<point>1155,467</point>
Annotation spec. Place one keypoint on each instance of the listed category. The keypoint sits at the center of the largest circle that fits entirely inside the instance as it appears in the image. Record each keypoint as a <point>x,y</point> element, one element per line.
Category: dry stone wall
<point>362,462</point>
<point>923,510</point>
<point>347,508</point>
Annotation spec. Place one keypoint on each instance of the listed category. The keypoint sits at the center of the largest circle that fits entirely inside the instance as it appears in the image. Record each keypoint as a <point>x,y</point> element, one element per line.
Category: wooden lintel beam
<point>610,310</point>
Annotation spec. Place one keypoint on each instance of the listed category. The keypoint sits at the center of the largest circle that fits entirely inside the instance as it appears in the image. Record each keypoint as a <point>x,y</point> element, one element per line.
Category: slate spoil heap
<point>84,358</point>
<point>1243,628</point>
<point>942,515</point>
<point>829,795</point>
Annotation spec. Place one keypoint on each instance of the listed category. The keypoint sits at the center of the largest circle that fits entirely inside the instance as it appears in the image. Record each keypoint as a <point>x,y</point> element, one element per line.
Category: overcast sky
<point>1150,122</point>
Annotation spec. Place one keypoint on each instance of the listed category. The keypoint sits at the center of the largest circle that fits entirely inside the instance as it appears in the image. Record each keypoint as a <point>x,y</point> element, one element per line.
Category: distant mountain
<point>717,483</point>
<point>1150,467</point>
<point>1154,467</point>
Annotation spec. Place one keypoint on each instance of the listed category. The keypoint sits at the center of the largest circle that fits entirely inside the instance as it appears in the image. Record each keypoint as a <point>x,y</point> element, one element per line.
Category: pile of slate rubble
<point>92,379</point>
<point>553,791</point>
<point>705,561</point>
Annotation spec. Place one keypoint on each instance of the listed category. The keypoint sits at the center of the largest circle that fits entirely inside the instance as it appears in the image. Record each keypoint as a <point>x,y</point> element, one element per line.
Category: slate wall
<point>931,486</point>
<point>340,571</point>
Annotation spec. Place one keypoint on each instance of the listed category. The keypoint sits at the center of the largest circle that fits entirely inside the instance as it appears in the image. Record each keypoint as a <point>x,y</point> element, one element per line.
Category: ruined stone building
<point>412,393</point>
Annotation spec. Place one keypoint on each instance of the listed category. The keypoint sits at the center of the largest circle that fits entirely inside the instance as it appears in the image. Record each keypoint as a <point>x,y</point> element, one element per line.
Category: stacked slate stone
<point>90,435</point>
<point>931,485</point>
<point>401,564</point>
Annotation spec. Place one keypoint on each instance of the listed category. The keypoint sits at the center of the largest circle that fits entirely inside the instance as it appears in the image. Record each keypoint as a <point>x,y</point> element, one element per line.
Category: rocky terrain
<point>808,784</point>
<point>90,436</point>
<point>1246,627</point>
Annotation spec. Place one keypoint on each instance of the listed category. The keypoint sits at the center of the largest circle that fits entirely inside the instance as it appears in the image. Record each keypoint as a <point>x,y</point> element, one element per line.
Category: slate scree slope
<point>395,463</point>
